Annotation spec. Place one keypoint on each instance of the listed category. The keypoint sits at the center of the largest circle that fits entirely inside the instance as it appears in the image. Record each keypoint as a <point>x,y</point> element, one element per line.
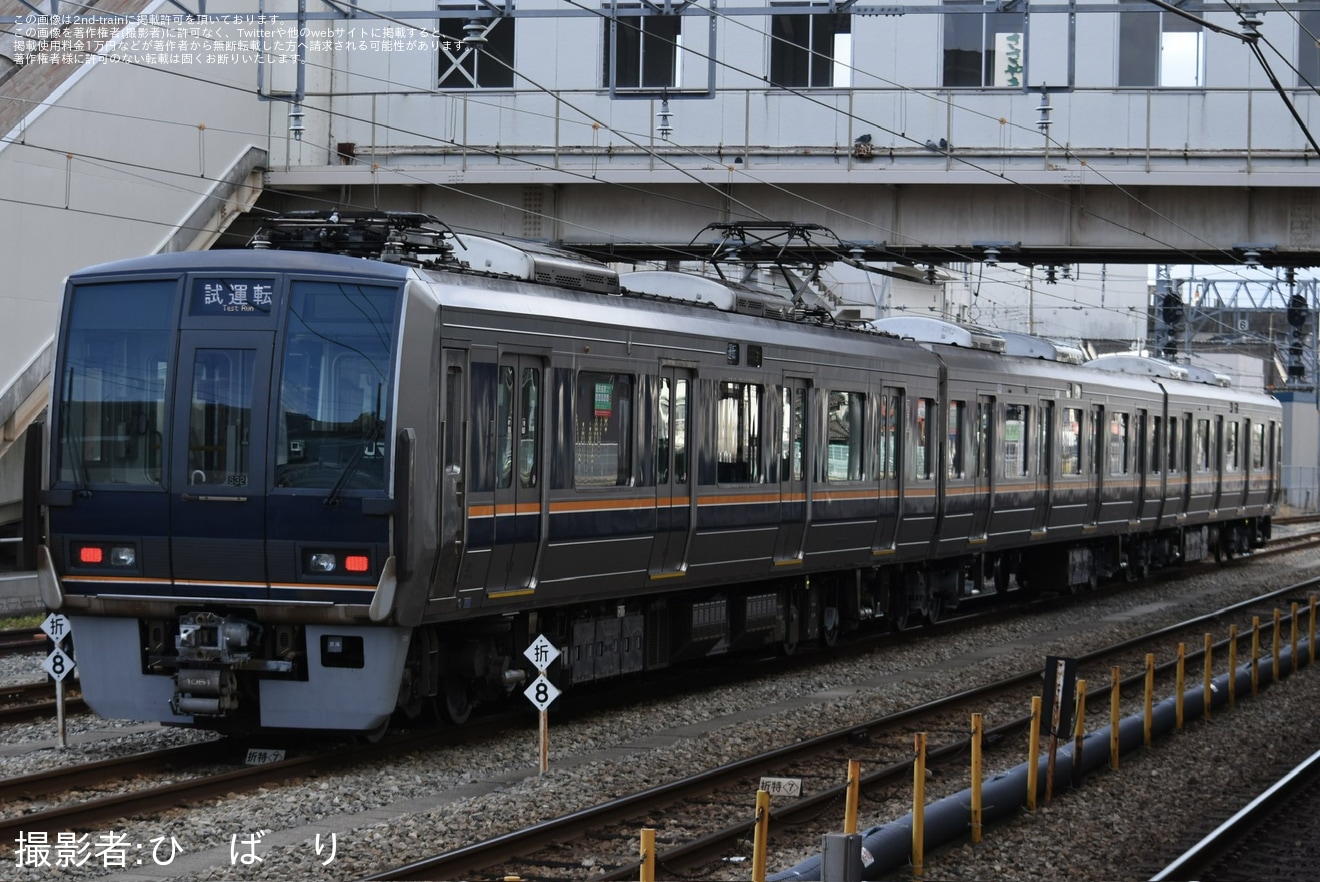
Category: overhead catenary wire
<point>954,255</point>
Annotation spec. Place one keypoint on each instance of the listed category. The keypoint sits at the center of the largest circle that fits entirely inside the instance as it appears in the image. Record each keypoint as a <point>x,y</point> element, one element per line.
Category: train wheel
<point>897,611</point>
<point>789,644</point>
<point>934,610</point>
<point>455,700</point>
<point>412,706</point>
<point>829,626</point>
<point>1002,576</point>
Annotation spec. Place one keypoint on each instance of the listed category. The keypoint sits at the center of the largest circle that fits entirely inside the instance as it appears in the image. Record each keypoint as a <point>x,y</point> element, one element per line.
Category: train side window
<point>455,413</point>
<point>602,429</point>
<point>1119,461</point>
<point>529,447</point>
<point>1232,460</point>
<point>672,421</point>
<point>1017,439</point>
<point>1175,461</point>
<point>1046,436</point>
<point>1202,445</point>
<point>1276,448</point>
<point>1070,442</point>
<point>663,441</point>
<point>925,448</point>
<point>1156,447</point>
<point>504,427</point>
<point>957,458</point>
<point>794,434</point>
<point>891,409</point>
<point>1093,437</point>
<point>845,446</point>
<point>1257,446</point>
<point>985,411</point>
<point>738,433</point>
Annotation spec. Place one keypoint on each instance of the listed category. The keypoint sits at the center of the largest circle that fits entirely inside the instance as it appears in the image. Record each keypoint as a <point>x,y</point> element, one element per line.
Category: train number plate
<point>782,786</point>
<point>257,756</point>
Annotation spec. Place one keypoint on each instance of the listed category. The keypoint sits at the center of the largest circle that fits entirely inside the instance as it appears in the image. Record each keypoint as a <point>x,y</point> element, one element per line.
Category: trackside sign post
<point>59,664</point>
<point>542,654</point>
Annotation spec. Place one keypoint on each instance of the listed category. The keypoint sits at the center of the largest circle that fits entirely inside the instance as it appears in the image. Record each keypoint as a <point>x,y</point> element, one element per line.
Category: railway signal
<point>59,664</point>
<point>542,693</point>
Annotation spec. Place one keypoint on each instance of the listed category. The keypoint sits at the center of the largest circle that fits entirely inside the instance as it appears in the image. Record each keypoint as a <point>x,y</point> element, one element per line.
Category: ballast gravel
<point>347,825</point>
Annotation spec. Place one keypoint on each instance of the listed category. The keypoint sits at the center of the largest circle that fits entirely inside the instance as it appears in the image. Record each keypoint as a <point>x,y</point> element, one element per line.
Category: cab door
<point>452,501</point>
<point>218,463</point>
<point>519,408</point>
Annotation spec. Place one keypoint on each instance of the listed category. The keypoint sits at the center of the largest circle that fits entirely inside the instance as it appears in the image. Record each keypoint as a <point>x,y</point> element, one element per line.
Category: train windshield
<point>113,383</point>
<point>335,386</point>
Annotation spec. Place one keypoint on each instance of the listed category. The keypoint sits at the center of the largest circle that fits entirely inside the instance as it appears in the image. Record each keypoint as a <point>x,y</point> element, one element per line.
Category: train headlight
<point>322,562</point>
<point>118,556</point>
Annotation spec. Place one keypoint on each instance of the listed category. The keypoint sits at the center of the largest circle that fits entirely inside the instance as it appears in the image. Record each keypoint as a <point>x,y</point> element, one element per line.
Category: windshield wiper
<point>351,467</point>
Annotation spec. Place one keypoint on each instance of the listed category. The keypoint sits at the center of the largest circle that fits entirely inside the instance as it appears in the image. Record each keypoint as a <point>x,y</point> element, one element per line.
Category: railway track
<point>703,819</point>
<point>1260,841</point>
<point>236,780</point>
<point>16,641</point>
<point>210,769</point>
<point>24,702</point>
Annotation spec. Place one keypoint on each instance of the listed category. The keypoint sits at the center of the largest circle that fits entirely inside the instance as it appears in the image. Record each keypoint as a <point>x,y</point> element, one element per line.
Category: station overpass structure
<point>928,137</point>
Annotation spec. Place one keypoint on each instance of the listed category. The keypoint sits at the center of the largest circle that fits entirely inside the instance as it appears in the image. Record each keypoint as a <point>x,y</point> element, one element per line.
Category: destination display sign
<point>231,296</point>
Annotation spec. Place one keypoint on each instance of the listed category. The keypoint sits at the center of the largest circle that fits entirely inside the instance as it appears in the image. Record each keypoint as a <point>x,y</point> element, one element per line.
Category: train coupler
<point>204,693</point>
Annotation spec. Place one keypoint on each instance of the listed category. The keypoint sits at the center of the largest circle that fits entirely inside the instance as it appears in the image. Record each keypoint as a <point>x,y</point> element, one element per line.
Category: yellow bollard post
<point>919,804</point>
<point>1275,643</point>
<point>1232,666</point>
<point>760,839</point>
<point>1150,696</point>
<point>648,854</point>
<point>1255,656</point>
<point>1181,685</point>
<point>1115,704</point>
<point>976,778</point>
<point>1033,753</point>
<point>1079,733</point>
<point>1294,636</point>
<point>1209,675</point>
<point>854,791</point>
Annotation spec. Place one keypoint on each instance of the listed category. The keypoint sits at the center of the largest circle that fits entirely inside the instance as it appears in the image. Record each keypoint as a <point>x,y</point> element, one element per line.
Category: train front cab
<point>219,500</point>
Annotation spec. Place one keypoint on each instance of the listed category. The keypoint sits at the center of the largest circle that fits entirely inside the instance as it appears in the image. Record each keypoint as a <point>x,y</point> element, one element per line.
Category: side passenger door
<point>519,407</point>
<point>674,499</point>
<point>794,469</point>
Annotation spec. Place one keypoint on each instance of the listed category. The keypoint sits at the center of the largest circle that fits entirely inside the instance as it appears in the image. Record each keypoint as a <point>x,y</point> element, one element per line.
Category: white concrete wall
<point>386,101</point>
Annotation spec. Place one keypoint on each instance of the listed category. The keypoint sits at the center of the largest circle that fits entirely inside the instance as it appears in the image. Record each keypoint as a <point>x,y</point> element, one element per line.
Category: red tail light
<point>90,554</point>
<point>356,563</point>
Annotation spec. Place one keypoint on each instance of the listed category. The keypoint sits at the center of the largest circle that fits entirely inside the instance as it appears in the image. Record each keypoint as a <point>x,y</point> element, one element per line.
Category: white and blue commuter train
<point>287,488</point>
